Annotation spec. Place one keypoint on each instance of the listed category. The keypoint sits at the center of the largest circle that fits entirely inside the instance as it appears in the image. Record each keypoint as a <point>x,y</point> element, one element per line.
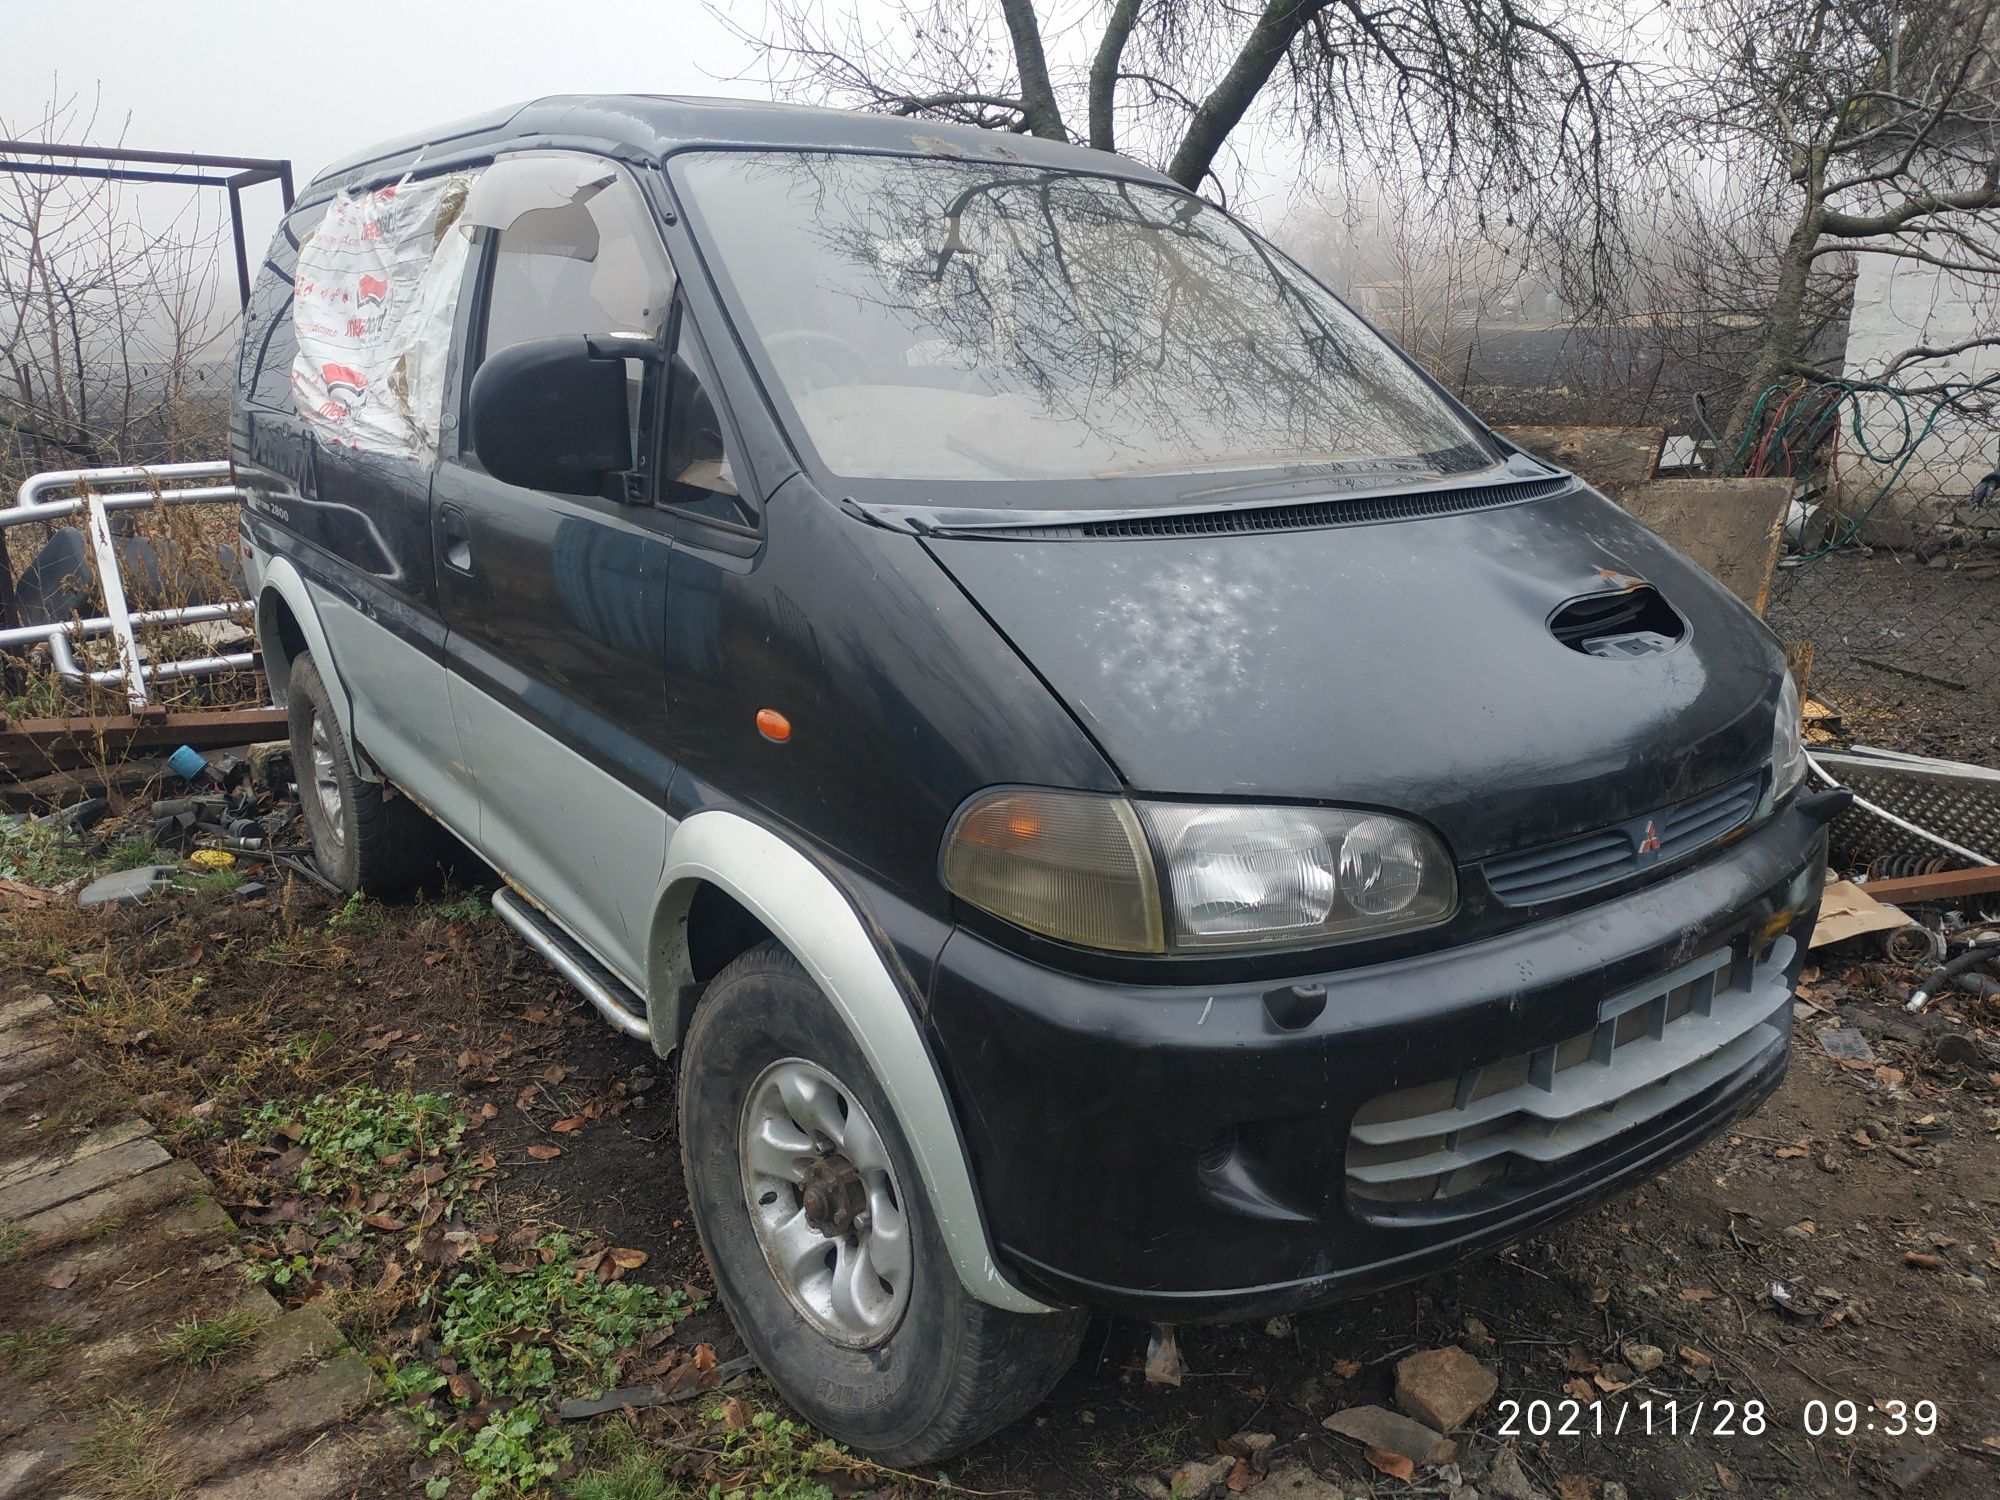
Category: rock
<point>1845,1044</point>
<point>1612,1490</point>
<point>1200,1478</point>
<point>1643,1358</point>
<point>1310,1394</point>
<point>1151,1488</point>
<point>125,887</point>
<point>1254,1443</point>
<point>1378,1427</point>
<point>1506,1480</point>
<point>1279,1327</point>
<point>1443,1387</point>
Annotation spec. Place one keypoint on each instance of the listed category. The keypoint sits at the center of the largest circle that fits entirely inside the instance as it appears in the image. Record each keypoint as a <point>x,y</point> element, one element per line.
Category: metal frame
<point>233,173</point>
<point>96,493</point>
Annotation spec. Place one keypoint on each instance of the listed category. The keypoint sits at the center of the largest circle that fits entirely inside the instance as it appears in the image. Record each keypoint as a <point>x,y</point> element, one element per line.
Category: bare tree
<point>109,318</point>
<point>1506,100</point>
<point>1869,127</point>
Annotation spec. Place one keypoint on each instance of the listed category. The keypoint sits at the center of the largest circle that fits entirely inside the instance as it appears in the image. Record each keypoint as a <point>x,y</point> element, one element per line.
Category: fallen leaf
<point>565,1126</point>
<point>631,1260</point>
<point>1694,1359</point>
<point>1241,1476</point>
<point>1575,1487</point>
<point>1700,1293</point>
<point>704,1356</point>
<point>1393,1464</point>
<point>1924,1262</point>
<point>1726,1477</point>
<point>545,1153</point>
<point>735,1413</point>
<point>387,1223</point>
<point>1347,1369</point>
<point>1580,1390</point>
<point>1788,1153</point>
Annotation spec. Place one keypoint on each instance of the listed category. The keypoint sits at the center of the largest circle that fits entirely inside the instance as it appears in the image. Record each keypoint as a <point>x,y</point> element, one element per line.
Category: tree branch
<point>1038,95</point>
<point>1258,58</point>
<point>1104,74</point>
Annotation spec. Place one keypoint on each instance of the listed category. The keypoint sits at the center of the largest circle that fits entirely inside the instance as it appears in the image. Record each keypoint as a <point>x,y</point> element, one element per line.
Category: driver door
<point>557,604</point>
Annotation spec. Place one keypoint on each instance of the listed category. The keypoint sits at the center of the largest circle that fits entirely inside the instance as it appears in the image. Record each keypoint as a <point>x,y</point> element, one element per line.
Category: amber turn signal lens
<point>773,725</point>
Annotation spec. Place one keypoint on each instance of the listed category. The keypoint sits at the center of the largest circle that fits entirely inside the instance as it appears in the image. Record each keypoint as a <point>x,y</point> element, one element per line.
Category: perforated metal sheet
<point>1951,798</point>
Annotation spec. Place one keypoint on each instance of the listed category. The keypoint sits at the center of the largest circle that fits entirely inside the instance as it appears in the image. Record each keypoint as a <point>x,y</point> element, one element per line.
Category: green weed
<point>31,1355</point>
<point>13,1239</point>
<point>525,1337</point>
<point>361,1137</point>
<point>469,907</point>
<point>200,1342</point>
<point>129,854</point>
<point>40,854</point>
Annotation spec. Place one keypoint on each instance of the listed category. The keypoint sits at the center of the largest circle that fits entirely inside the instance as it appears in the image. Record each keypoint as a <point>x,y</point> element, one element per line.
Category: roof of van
<point>649,126</point>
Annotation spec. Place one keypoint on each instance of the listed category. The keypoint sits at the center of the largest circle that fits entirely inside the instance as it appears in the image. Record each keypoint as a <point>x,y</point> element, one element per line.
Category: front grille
<point>1594,859</point>
<point>1654,1048</point>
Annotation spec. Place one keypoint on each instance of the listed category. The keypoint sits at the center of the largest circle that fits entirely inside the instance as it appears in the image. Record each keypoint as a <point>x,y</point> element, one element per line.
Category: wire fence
<point>1890,583</point>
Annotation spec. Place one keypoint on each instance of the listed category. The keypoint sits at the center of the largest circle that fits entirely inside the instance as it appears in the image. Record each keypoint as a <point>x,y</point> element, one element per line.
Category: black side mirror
<point>551,414</point>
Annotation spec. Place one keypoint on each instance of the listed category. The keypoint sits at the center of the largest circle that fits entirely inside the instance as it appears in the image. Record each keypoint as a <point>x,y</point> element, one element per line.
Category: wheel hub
<point>825,1203</point>
<point>832,1194</point>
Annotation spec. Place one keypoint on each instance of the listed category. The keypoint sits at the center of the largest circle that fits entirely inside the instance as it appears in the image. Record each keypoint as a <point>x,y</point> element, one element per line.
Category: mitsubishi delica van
<point>1116,790</point>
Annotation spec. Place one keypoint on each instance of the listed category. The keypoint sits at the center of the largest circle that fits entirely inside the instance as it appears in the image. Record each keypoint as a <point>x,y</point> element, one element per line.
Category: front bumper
<point>1176,1153</point>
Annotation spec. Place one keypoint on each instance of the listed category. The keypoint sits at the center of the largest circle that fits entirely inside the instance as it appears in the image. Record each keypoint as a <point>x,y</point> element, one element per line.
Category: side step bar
<point>612,997</point>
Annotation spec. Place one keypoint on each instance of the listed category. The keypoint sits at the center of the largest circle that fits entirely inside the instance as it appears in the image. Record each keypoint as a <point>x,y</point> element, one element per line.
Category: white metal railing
<point>95,493</point>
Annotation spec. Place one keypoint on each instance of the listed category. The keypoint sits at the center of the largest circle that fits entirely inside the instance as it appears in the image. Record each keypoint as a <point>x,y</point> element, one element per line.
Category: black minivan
<point>1119,792</point>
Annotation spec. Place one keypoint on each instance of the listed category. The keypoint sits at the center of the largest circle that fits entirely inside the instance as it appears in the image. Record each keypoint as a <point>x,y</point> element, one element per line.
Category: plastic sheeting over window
<point>376,289</point>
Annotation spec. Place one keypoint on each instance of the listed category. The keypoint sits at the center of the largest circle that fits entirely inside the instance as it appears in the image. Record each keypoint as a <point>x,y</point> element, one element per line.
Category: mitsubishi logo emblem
<point>1650,844</point>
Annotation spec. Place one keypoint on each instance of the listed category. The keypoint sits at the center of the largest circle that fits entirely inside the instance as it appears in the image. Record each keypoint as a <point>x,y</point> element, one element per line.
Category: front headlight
<point>1077,866</point>
<point>1257,876</point>
<point>1069,865</point>
<point>1788,751</point>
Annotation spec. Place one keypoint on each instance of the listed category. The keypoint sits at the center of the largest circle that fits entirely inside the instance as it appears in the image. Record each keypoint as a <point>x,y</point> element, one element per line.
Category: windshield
<point>948,320</point>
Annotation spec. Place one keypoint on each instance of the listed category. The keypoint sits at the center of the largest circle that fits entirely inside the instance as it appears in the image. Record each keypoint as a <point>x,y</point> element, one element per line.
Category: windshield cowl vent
<point>1621,624</point>
<point>1314,515</point>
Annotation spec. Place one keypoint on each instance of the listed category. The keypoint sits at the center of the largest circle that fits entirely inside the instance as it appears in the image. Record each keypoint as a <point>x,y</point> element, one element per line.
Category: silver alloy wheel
<point>326,781</point>
<point>825,1203</point>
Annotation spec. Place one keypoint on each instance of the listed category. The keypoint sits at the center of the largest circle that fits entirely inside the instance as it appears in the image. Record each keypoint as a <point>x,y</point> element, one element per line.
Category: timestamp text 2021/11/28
<point>1713,1418</point>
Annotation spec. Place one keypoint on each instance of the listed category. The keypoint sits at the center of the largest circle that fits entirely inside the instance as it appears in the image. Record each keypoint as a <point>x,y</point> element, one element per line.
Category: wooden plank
<point>32,747</point>
<point>1733,528</point>
<point>1942,886</point>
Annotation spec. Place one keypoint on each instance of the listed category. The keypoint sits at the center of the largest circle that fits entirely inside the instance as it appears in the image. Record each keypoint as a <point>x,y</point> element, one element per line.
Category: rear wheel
<point>365,837</point>
<point>822,1241</point>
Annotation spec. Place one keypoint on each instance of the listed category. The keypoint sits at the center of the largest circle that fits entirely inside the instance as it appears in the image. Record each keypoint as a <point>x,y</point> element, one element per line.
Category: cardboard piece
<point>1847,911</point>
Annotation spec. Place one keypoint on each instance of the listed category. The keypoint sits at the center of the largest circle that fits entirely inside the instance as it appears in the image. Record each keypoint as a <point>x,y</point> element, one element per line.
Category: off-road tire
<point>385,845</point>
<point>954,1370</point>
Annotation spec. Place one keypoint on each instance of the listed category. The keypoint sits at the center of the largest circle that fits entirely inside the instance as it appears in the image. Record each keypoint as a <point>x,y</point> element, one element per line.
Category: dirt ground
<point>1840,1245</point>
<point>1909,653</point>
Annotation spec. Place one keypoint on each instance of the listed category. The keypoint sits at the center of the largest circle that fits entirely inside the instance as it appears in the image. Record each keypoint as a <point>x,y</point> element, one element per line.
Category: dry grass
<point>128,1455</point>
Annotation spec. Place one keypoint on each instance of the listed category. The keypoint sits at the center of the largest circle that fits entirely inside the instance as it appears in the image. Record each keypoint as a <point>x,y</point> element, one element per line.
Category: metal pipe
<point>592,988</point>
<point>112,582</point>
<point>51,510</point>
<point>34,484</point>
<point>76,630</point>
<point>63,659</point>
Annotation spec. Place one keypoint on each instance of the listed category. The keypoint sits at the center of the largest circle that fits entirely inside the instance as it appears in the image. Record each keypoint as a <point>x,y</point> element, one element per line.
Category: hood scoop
<point>1631,621</point>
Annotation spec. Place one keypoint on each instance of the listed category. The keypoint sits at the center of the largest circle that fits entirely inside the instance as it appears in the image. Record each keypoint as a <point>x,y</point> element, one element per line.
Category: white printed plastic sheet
<point>377,285</point>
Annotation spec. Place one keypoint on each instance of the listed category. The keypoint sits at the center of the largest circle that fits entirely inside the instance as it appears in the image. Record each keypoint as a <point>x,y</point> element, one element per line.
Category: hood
<point>1408,665</point>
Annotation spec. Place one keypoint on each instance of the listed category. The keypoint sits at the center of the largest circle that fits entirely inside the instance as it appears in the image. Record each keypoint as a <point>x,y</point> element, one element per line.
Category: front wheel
<point>821,1238</point>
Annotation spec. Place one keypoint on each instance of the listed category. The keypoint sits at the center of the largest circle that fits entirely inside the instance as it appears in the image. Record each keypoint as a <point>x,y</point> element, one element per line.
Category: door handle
<point>456,537</point>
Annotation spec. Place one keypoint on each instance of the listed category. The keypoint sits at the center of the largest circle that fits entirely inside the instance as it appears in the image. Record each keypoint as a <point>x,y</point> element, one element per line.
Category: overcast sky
<point>314,83</point>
